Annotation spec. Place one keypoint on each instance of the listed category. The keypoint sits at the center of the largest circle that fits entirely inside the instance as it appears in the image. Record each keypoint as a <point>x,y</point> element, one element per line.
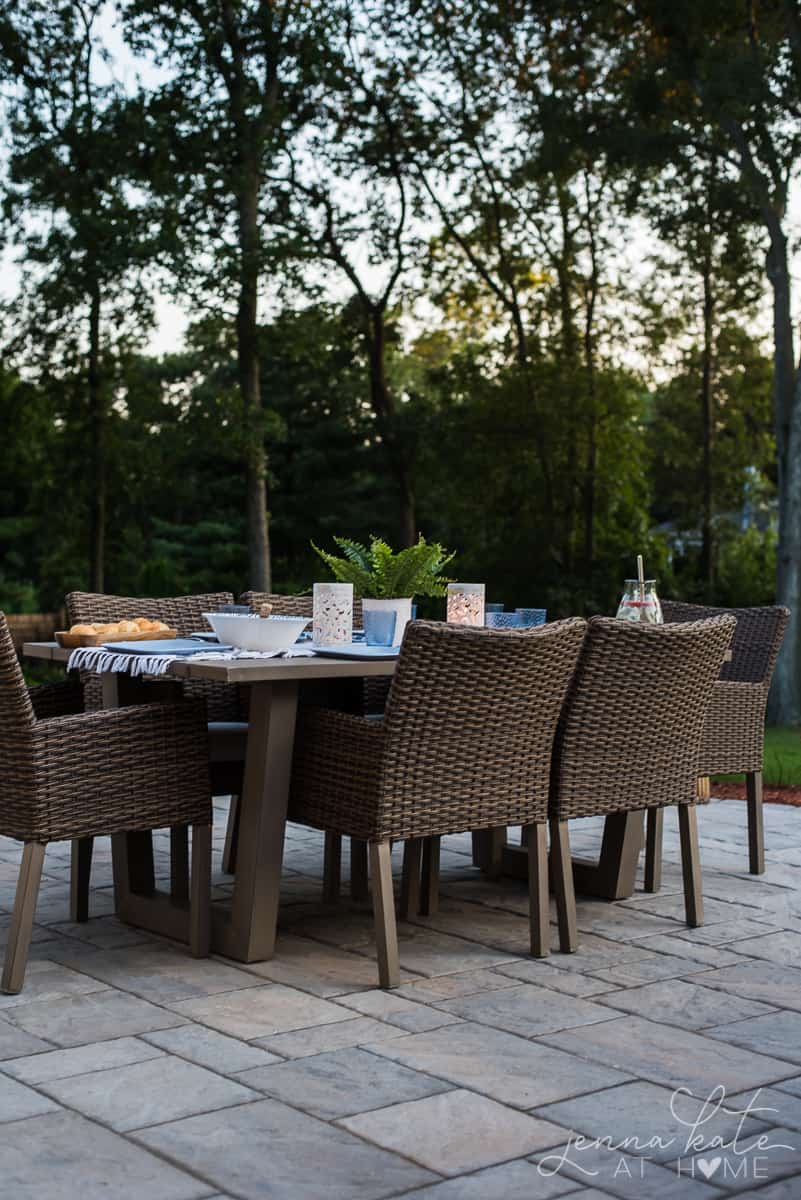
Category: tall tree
<point>242,80</point>
<point>353,203</point>
<point>84,237</point>
<point>713,282</point>
<point>731,70</point>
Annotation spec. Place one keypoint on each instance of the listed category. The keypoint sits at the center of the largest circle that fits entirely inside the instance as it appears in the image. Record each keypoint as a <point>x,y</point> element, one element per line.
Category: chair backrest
<point>470,722</point>
<point>17,721</point>
<point>292,606</point>
<point>184,613</point>
<point>631,728</point>
<point>756,642</point>
<point>16,710</point>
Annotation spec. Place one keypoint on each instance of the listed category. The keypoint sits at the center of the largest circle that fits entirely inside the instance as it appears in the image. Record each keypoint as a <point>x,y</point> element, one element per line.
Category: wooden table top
<point>247,670</point>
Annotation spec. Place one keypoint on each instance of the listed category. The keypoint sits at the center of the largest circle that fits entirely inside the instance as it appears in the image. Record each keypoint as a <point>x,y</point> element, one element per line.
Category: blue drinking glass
<point>379,627</point>
<point>531,616</point>
<point>502,620</point>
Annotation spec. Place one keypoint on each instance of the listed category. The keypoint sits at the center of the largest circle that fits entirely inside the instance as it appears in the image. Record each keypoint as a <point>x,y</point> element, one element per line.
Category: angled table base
<point>612,877</point>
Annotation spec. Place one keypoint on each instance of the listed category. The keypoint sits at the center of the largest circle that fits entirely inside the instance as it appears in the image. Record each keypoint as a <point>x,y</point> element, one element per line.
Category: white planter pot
<point>401,608</point>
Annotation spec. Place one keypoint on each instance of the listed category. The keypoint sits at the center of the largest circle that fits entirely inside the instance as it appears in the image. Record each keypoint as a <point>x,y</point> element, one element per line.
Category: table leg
<point>613,876</point>
<point>248,935</point>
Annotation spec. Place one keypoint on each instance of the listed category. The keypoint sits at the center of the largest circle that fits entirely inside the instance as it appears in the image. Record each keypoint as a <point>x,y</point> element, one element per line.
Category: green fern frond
<point>379,573</point>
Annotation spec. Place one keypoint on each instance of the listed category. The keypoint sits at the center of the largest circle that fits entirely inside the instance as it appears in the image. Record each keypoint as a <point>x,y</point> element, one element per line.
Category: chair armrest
<point>734,730</point>
<point>336,771</point>
<point>56,699</point>
<point>141,767</point>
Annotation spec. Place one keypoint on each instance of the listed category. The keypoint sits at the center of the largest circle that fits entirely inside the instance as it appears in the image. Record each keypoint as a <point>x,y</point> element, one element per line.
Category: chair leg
<point>691,864</point>
<point>539,914</point>
<point>200,892</point>
<point>562,870</point>
<point>179,862</point>
<point>756,828</point>
<point>410,878</point>
<point>332,867</point>
<point>231,837</point>
<point>80,875</point>
<point>19,934</point>
<point>358,870</point>
<point>386,931</point>
<point>654,825</point>
<point>429,892</point>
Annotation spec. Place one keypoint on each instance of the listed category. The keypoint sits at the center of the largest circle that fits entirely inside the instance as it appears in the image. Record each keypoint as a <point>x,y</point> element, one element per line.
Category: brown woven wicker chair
<point>465,743</point>
<point>184,613</point>
<point>734,732</point>
<point>224,703</point>
<point>630,737</point>
<point>88,774</point>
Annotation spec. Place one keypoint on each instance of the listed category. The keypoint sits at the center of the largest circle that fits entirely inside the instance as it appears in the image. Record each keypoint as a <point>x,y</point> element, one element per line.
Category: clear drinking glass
<point>640,603</point>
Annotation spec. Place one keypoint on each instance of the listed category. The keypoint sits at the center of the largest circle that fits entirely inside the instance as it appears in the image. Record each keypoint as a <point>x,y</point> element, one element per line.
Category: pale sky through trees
<point>172,316</point>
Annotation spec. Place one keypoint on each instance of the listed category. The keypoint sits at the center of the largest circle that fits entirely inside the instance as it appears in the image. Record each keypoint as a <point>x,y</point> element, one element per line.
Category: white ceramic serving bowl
<point>248,632</point>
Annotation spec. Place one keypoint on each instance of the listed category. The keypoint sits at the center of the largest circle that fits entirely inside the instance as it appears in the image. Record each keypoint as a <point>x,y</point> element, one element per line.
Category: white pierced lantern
<point>332,613</point>
<point>465,604</point>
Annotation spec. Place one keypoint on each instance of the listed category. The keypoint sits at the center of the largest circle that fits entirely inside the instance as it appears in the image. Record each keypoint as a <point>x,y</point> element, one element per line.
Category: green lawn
<point>782,757</point>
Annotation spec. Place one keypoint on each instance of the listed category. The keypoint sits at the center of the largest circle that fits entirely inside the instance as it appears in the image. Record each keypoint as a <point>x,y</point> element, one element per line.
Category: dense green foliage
<point>509,278</point>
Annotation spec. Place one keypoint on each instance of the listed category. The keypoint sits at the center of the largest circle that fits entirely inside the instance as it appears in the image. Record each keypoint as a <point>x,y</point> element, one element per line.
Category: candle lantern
<point>332,613</point>
<point>465,604</point>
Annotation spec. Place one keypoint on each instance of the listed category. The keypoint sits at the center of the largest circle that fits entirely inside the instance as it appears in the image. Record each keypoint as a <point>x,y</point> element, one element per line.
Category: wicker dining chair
<point>91,774</point>
<point>465,743</point>
<point>734,732</point>
<point>629,738</point>
<point>225,703</point>
<point>374,692</point>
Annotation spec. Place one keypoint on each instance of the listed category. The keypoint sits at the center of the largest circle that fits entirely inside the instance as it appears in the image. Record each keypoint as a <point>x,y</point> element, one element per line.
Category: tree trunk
<point>591,467</point>
<point>785,703</point>
<point>707,425</point>
<point>97,424</point>
<point>260,574</point>
<point>384,409</point>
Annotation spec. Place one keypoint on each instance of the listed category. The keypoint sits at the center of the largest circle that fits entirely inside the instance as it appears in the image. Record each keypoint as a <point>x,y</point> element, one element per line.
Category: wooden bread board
<point>71,641</point>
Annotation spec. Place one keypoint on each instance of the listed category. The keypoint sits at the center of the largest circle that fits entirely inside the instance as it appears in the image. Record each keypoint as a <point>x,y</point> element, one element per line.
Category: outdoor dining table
<point>247,930</point>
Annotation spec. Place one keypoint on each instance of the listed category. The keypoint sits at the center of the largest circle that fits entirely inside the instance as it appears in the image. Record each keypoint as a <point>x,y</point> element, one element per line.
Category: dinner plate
<point>356,650</point>
<point>176,646</point>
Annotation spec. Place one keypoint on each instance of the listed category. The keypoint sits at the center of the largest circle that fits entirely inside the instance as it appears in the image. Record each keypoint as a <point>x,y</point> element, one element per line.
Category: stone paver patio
<point>129,1070</point>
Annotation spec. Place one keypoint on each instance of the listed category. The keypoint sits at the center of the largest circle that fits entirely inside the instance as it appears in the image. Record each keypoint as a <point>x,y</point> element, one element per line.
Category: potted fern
<point>389,581</point>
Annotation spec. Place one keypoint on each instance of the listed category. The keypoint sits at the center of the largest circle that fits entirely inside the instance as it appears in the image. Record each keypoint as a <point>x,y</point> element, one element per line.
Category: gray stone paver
<point>499,1064</point>
<point>61,1155</point>
<point>299,1078</point>
<point>341,1083</point>
<point>455,1131</point>
<point>79,1060</point>
<point>685,1003</point>
<point>147,1093</point>
<point>642,1110</point>
<point>268,1151</point>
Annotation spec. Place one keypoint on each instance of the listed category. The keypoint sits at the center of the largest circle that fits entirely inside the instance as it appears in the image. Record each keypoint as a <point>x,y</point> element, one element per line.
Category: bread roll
<point>86,630</point>
<point>127,627</point>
